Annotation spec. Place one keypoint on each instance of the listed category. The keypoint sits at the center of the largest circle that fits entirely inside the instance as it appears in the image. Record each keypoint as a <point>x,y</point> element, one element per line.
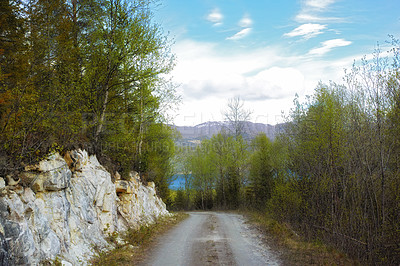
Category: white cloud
<point>215,16</point>
<point>319,4</point>
<point>308,17</point>
<point>203,71</point>
<point>273,83</point>
<point>245,22</point>
<point>307,31</point>
<point>241,34</point>
<point>328,46</point>
<point>265,78</point>
<point>312,11</point>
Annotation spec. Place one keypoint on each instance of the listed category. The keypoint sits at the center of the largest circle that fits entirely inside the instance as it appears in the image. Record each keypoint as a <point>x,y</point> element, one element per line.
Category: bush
<point>285,202</point>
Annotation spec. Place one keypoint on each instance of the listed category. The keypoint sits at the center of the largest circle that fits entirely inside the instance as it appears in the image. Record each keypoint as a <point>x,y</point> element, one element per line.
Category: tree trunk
<point>102,116</point>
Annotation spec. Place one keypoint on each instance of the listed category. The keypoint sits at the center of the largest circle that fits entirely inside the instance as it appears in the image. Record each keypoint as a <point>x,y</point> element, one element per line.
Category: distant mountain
<point>192,135</point>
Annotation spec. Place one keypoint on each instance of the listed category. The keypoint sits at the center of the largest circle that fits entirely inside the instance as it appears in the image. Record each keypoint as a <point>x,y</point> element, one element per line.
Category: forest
<point>86,74</point>
<point>333,173</point>
<point>93,74</point>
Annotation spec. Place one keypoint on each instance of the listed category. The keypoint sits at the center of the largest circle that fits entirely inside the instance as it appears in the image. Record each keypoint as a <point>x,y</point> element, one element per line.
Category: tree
<point>180,200</point>
<point>261,170</point>
<point>343,162</point>
<point>236,116</point>
<point>227,157</point>
<point>40,113</point>
<point>221,148</point>
<point>13,72</point>
<point>85,74</point>
<point>159,151</point>
<point>203,173</point>
<point>183,167</point>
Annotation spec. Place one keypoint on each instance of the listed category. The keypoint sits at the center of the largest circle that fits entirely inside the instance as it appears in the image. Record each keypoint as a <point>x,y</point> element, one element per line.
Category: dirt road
<point>212,238</point>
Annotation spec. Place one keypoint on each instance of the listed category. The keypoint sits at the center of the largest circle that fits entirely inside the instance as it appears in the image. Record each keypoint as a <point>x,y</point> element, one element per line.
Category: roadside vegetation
<point>132,246</point>
<point>333,174</point>
<point>292,247</point>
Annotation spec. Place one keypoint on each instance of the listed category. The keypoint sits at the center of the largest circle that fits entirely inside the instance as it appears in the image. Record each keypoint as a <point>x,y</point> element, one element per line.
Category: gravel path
<point>212,238</point>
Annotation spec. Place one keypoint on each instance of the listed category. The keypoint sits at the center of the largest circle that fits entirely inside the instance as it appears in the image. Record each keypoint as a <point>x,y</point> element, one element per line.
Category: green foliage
<point>334,172</point>
<point>179,201</point>
<point>85,74</point>
<point>159,150</point>
<point>261,171</point>
<point>229,156</point>
<point>343,153</point>
<point>297,249</point>
<point>203,175</point>
<point>286,202</point>
<point>217,169</point>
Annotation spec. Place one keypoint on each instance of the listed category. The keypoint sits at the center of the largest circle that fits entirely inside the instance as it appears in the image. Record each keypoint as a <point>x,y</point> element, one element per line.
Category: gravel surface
<point>212,238</point>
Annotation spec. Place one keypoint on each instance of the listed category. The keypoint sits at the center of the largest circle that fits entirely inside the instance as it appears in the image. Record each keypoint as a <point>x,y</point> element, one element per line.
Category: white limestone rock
<point>60,214</point>
<point>51,174</point>
<point>142,206</point>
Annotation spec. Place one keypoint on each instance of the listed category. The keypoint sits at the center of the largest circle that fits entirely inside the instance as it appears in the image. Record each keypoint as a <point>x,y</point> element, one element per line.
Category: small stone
<point>37,185</point>
<point>117,176</point>
<point>33,167</point>
<point>134,176</point>
<point>53,162</point>
<point>2,183</point>
<point>58,179</point>
<point>66,263</point>
<point>19,189</point>
<point>130,247</point>
<point>11,181</point>
<point>151,184</point>
<point>120,241</point>
<point>70,160</point>
<point>28,195</point>
<point>27,178</point>
<point>123,186</point>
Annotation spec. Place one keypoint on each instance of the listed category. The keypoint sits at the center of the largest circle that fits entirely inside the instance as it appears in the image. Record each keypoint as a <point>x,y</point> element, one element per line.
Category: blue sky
<point>267,51</point>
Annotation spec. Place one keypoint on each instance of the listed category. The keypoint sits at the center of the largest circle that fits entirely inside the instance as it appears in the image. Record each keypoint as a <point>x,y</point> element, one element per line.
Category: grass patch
<point>292,247</point>
<point>136,242</point>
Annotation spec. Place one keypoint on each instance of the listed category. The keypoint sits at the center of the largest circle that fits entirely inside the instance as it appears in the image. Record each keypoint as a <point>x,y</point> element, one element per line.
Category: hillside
<point>192,135</point>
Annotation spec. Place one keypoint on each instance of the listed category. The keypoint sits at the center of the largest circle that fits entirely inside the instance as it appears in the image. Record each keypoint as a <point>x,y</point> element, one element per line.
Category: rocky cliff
<point>63,210</point>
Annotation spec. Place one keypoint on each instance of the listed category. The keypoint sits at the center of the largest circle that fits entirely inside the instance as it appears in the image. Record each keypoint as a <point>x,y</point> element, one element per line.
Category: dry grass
<point>293,249</point>
<point>136,242</point>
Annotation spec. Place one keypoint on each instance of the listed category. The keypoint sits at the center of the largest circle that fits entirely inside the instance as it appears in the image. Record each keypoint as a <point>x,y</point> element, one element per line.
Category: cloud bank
<point>257,75</point>
<point>265,78</point>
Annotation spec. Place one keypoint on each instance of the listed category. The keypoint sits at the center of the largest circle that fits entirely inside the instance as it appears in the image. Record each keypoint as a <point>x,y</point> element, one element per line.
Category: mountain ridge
<point>192,135</point>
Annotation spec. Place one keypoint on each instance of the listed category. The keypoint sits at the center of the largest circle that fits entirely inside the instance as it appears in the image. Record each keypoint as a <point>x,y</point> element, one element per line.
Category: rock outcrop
<point>54,212</point>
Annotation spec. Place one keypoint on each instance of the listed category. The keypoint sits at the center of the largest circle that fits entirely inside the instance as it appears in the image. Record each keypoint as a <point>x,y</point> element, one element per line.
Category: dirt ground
<point>212,238</point>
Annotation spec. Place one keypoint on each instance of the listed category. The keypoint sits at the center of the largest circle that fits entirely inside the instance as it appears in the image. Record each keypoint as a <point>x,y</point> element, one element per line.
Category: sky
<point>266,51</point>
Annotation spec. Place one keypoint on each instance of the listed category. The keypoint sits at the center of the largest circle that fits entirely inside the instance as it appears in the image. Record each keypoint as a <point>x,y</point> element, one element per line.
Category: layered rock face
<point>54,212</point>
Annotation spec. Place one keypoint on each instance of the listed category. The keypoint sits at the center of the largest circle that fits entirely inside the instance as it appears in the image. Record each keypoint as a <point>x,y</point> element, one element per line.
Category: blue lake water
<point>178,183</point>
